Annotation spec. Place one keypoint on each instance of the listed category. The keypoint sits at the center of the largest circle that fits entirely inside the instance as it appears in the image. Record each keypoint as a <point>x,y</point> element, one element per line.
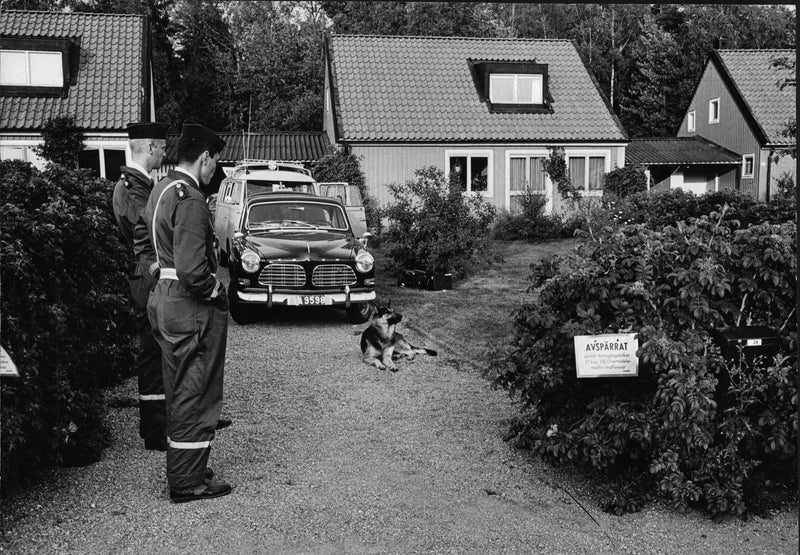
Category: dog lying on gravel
<point>381,345</point>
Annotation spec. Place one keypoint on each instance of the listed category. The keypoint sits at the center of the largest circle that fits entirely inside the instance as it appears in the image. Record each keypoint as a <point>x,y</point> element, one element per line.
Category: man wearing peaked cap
<point>188,311</point>
<point>147,142</point>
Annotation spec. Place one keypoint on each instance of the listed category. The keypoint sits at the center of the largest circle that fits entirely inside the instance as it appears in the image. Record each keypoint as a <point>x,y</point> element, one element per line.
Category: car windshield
<point>295,214</point>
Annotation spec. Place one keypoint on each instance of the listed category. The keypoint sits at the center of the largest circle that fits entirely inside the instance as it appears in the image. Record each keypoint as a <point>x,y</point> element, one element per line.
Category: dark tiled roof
<point>286,147</point>
<point>392,88</point>
<point>757,81</point>
<point>109,88</point>
<point>678,150</point>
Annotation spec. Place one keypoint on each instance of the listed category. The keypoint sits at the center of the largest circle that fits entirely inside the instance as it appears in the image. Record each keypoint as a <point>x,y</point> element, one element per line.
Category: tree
<point>207,62</point>
<point>653,103</point>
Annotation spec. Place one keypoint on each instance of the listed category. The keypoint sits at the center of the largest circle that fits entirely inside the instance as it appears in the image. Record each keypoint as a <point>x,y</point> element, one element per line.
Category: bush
<point>662,208</point>
<point>661,433</point>
<point>62,141</point>
<point>532,224</point>
<point>66,319</point>
<point>626,181</point>
<point>341,166</point>
<point>434,227</point>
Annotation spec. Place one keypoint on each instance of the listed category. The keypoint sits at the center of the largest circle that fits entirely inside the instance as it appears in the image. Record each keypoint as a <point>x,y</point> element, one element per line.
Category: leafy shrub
<point>532,224</point>
<point>66,319</point>
<point>62,141</point>
<point>662,208</point>
<point>341,166</point>
<point>622,182</point>
<point>661,433</point>
<point>434,227</point>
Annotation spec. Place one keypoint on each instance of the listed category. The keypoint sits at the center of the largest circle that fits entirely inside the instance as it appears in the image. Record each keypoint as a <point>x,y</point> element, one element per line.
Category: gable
<point>105,85</point>
<point>394,88</point>
<point>757,85</point>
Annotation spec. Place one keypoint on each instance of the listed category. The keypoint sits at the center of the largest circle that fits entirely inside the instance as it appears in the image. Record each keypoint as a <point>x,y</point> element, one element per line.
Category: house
<point>94,67</point>
<point>487,109</point>
<point>690,163</point>
<point>741,104</point>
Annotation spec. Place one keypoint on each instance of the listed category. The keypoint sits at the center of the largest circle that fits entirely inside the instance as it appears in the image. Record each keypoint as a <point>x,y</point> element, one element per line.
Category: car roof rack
<point>248,163</point>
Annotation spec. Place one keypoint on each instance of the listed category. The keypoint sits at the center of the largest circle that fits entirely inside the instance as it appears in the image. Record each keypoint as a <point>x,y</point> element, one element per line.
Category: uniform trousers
<point>193,336</point>
<point>152,412</point>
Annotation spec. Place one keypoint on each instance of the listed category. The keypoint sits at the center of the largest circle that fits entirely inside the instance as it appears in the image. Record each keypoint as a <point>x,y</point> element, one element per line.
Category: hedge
<point>66,318</point>
<point>666,433</point>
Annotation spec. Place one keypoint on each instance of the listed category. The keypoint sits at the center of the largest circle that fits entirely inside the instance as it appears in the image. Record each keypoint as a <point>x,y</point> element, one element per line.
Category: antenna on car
<point>247,140</point>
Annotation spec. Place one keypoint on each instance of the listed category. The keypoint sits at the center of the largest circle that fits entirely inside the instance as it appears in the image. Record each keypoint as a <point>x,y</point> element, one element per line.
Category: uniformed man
<point>188,311</point>
<point>147,143</point>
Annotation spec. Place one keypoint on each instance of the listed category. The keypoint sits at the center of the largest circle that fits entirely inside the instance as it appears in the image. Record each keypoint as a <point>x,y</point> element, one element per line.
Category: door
<point>526,175</point>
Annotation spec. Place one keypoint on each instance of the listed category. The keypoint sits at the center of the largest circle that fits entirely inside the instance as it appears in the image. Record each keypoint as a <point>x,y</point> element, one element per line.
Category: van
<point>350,196</point>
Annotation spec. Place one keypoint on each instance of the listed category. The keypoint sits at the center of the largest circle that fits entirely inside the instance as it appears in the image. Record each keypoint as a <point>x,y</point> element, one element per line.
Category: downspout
<point>769,170</point>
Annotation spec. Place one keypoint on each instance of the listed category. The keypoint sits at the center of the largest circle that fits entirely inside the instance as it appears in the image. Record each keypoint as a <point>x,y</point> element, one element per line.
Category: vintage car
<point>298,249</point>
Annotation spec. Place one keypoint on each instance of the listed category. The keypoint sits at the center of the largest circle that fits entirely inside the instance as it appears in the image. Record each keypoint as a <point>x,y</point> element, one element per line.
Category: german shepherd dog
<point>382,345</point>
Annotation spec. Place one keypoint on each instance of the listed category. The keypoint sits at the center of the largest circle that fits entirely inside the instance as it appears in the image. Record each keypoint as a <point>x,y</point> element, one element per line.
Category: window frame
<point>691,121</point>
<point>752,159</point>
<point>481,70</point>
<point>527,154</point>
<point>711,118</point>
<point>537,85</point>
<point>69,47</point>
<point>469,154</point>
<point>586,154</point>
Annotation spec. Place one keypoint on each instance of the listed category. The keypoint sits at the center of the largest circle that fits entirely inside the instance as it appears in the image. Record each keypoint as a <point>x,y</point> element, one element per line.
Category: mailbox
<point>742,345</point>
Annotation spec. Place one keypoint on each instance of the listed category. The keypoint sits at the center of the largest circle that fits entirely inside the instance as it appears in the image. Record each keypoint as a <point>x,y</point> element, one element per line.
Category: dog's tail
<point>424,351</point>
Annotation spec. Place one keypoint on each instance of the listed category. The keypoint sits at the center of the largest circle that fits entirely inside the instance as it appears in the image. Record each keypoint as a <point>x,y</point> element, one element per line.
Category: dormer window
<point>31,68</point>
<point>515,88</point>
<point>38,66</point>
<point>512,86</point>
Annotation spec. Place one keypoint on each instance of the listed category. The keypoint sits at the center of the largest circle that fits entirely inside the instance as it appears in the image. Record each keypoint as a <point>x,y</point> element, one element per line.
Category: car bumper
<point>305,298</point>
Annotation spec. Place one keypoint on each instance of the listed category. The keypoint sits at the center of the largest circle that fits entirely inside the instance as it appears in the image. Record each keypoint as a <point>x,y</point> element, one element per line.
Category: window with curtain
<point>597,168</point>
<point>577,171</point>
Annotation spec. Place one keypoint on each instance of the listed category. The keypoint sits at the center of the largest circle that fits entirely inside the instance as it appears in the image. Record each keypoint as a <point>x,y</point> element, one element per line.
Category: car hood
<point>303,245</point>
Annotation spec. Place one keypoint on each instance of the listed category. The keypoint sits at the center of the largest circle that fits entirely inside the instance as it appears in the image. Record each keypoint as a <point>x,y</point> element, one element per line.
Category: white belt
<point>168,273</point>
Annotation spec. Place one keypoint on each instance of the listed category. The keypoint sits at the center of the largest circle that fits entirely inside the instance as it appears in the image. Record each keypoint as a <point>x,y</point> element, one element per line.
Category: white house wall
<point>383,164</point>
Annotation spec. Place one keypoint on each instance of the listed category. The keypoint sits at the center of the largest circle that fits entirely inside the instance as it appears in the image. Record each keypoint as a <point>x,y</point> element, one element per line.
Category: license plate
<point>313,300</point>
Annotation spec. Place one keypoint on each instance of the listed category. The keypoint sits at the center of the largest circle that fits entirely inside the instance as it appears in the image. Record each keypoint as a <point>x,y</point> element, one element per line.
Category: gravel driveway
<point>328,455</point>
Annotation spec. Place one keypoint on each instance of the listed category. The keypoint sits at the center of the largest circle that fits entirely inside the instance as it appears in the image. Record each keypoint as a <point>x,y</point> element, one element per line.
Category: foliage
<point>66,320</point>
<point>62,141</point>
<point>626,181</point>
<point>433,226</point>
<point>661,208</point>
<point>532,224</point>
<point>662,433</point>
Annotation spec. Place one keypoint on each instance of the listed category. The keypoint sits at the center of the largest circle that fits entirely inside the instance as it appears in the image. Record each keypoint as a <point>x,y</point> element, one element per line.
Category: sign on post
<point>7,366</point>
<point>606,356</point>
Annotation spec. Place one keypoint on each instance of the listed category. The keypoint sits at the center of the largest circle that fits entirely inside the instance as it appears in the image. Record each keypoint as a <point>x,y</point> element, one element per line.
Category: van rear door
<point>350,196</point>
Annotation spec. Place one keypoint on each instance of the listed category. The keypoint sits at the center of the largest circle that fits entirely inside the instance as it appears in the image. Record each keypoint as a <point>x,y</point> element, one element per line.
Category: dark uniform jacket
<point>130,198</point>
<point>182,232</point>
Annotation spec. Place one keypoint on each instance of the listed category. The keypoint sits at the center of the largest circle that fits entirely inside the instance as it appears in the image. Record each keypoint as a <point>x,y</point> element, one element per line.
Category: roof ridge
<point>50,12</point>
<point>756,50</point>
<point>431,37</point>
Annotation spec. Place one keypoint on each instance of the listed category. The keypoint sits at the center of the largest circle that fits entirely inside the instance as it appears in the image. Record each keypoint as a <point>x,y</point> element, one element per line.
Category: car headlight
<point>251,262</point>
<point>364,262</point>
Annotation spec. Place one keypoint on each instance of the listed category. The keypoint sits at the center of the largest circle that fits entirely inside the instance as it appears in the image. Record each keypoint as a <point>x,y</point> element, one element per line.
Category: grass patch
<point>477,311</point>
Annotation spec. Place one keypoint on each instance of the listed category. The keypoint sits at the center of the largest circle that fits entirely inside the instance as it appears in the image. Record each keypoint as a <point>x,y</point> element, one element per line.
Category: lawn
<point>476,312</point>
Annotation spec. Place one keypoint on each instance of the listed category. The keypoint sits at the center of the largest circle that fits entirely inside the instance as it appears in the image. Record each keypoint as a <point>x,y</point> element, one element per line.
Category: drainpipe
<point>769,170</point>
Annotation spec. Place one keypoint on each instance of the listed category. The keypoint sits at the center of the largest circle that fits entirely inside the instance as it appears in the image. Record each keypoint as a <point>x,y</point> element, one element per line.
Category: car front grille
<point>333,275</point>
<point>282,275</point>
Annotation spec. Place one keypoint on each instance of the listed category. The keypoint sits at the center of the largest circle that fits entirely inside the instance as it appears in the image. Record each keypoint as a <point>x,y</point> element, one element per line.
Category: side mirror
<point>365,238</point>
